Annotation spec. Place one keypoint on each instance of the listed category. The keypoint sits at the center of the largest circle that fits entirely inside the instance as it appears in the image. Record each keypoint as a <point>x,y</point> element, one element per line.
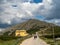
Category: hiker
<point>35,37</point>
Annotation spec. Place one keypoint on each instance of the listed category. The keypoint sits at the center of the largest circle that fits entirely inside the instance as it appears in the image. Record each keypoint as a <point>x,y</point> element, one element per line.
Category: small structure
<point>21,33</point>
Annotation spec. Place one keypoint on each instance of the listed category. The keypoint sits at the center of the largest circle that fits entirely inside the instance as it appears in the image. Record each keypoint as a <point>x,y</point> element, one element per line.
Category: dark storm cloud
<point>54,12</point>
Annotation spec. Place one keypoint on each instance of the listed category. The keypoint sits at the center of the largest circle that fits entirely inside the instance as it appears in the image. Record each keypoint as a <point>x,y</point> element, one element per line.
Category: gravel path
<point>32,41</point>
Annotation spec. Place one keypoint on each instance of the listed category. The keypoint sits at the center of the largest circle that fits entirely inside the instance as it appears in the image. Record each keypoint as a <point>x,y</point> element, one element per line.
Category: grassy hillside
<point>49,32</point>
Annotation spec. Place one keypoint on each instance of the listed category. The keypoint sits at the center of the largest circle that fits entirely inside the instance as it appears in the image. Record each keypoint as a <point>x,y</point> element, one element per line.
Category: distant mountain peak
<point>29,24</point>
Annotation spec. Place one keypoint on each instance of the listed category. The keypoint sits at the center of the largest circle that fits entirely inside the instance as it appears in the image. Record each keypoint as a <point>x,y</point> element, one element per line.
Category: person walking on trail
<point>35,35</point>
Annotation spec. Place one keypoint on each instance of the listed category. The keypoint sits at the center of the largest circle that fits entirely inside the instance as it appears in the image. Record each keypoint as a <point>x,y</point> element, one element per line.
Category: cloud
<point>53,15</point>
<point>16,11</point>
<point>50,10</point>
<point>46,8</point>
<point>54,12</point>
<point>54,21</point>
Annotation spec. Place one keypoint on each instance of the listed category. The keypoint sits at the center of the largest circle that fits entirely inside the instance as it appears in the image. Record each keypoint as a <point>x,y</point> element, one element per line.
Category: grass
<point>50,41</point>
<point>10,42</point>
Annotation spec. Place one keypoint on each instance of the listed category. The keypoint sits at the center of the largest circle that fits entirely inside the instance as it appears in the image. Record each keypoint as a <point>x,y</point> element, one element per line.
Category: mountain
<point>33,25</point>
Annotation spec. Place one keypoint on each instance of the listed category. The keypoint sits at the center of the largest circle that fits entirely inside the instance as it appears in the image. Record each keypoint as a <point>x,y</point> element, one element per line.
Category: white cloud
<point>22,10</point>
<point>16,10</point>
<point>57,22</point>
<point>54,21</point>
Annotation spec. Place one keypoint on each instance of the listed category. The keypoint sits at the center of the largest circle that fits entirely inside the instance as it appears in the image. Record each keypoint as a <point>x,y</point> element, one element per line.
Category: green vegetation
<point>58,42</point>
<point>51,41</point>
<point>10,42</point>
<point>49,35</point>
<point>33,30</point>
<point>49,38</point>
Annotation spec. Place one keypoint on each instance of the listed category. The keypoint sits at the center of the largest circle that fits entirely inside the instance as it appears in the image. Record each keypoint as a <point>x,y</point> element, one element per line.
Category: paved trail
<point>32,41</point>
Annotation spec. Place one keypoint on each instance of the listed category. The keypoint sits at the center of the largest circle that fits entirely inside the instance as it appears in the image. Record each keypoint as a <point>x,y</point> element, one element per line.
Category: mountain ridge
<point>27,25</point>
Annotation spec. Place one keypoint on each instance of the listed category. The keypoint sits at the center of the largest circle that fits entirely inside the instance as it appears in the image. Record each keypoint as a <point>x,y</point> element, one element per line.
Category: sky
<point>17,11</point>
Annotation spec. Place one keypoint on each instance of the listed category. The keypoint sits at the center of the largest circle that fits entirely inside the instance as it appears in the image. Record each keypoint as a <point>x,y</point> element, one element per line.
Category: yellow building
<point>21,33</point>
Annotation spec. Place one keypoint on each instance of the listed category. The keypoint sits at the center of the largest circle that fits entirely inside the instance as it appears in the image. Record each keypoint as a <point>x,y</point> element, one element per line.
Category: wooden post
<point>53,35</point>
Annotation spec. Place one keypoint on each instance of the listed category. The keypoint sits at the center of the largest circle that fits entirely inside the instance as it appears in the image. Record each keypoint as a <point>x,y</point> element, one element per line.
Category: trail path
<point>32,41</point>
